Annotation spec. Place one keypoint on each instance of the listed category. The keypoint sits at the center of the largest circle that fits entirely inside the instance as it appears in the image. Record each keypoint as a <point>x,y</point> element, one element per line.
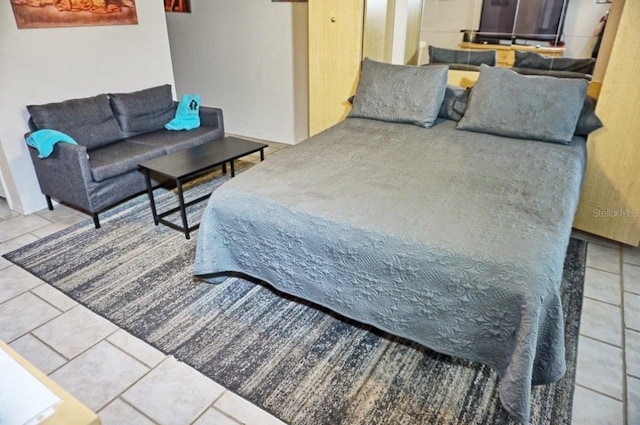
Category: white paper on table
<point>24,400</point>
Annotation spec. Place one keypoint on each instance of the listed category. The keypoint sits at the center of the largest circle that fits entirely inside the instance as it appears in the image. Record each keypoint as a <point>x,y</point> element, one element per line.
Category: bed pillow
<point>143,111</point>
<point>399,93</point>
<point>469,57</point>
<point>537,61</point>
<point>588,120</point>
<point>506,103</point>
<point>456,98</point>
<point>454,103</point>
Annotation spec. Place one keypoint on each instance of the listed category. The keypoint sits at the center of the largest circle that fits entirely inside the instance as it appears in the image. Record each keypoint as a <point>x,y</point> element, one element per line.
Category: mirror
<point>443,21</point>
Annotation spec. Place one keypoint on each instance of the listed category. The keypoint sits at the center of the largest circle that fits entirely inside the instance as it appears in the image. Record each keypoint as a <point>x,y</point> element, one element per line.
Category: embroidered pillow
<point>399,93</point>
<point>506,103</point>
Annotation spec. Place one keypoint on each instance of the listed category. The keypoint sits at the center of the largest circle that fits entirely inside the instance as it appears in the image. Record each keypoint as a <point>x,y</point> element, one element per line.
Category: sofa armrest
<point>65,174</point>
<point>211,117</point>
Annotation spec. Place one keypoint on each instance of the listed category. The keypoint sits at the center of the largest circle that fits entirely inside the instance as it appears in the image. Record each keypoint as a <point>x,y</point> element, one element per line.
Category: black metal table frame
<point>158,218</point>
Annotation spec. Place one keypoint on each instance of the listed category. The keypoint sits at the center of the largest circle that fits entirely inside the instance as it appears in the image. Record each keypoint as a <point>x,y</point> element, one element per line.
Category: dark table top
<point>200,158</point>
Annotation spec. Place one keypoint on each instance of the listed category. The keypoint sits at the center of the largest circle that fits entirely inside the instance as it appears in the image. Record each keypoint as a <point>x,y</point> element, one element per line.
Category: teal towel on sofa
<point>44,141</point>
<point>188,114</point>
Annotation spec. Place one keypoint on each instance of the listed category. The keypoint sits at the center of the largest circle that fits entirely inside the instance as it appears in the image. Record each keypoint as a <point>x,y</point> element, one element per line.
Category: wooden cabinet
<point>341,33</point>
<point>69,412</point>
<point>335,54</point>
<point>610,202</point>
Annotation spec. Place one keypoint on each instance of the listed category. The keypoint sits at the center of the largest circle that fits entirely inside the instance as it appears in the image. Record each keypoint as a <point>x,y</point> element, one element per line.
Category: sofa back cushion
<point>89,121</point>
<point>143,111</point>
<point>468,57</point>
<point>535,60</point>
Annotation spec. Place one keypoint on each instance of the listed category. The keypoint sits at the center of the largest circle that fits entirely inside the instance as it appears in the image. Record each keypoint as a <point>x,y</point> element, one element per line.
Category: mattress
<point>453,239</point>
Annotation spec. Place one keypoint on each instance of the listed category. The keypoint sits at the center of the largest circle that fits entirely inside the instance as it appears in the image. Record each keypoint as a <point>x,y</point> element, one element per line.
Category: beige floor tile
<point>15,243</point>
<point>601,321</point>
<point>23,314</point>
<point>74,331</point>
<point>54,296</point>
<point>99,375</point>
<point>15,281</point>
<point>590,408</point>
<point>632,352</point>
<point>173,393</point>
<point>60,213</point>
<point>633,401</point>
<point>599,367</point>
<point>214,417</point>
<point>56,227</point>
<point>119,413</point>
<point>603,258</point>
<point>631,255</point>
<point>137,348</point>
<point>601,285</point>
<point>244,411</point>
<point>579,234</point>
<point>4,263</point>
<point>631,278</point>
<point>274,148</point>
<point>5,212</point>
<point>20,225</point>
<point>38,354</point>
<point>632,311</point>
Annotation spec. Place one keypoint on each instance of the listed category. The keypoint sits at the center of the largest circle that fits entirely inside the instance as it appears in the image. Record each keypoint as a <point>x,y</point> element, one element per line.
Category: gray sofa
<point>527,63</point>
<point>115,132</point>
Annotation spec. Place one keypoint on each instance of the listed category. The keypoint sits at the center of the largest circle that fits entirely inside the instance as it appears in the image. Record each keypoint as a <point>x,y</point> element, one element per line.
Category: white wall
<point>582,18</point>
<point>248,57</point>
<point>442,21</point>
<point>54,64</point>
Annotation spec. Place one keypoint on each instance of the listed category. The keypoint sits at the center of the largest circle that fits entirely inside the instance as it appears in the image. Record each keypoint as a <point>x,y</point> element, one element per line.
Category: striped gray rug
<point>302,363</point>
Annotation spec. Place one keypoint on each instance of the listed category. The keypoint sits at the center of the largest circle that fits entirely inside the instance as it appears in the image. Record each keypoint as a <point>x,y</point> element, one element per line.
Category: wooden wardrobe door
<point>335,54</point>
<point>610,201</point>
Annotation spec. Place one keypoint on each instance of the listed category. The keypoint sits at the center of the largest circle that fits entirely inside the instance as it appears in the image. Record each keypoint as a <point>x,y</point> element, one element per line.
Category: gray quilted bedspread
<point>452,239</point>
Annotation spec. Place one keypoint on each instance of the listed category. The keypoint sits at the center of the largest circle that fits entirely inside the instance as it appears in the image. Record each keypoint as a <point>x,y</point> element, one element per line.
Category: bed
<point>451,238</point>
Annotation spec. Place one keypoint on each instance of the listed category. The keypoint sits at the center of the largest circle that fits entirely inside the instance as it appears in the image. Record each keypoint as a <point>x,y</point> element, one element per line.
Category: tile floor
<point>127,381</point>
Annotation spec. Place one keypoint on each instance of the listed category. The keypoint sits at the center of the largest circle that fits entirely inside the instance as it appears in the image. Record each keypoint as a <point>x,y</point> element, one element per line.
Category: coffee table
<point>190,163</point>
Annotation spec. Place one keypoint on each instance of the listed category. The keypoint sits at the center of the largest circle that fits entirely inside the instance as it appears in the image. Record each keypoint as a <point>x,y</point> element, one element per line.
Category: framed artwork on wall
<point>177,6</point>
<point>73,13</point>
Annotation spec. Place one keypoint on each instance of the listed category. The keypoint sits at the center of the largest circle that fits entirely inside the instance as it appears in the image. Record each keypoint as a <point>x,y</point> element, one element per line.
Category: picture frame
<point>183,6</point>
<point>73,13</point>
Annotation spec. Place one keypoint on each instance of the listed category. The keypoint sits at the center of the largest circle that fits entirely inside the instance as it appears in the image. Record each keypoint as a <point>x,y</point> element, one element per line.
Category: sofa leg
<point>49,204</point>
<point>96,221</point>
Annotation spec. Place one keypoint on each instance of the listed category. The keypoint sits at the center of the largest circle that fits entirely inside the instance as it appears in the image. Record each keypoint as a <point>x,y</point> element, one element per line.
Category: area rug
<point>302,363</point>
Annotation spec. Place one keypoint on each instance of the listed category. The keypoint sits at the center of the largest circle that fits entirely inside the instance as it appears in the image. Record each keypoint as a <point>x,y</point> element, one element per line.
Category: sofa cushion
<point>454,103</point>
<point>89,121</point>
<point>588,120</point>
<point>552,73</point>
<point>468,57</point>
<point>535,60</point>
<point>173,141</point>
<point>119,158</point>
<point>144,110</point>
